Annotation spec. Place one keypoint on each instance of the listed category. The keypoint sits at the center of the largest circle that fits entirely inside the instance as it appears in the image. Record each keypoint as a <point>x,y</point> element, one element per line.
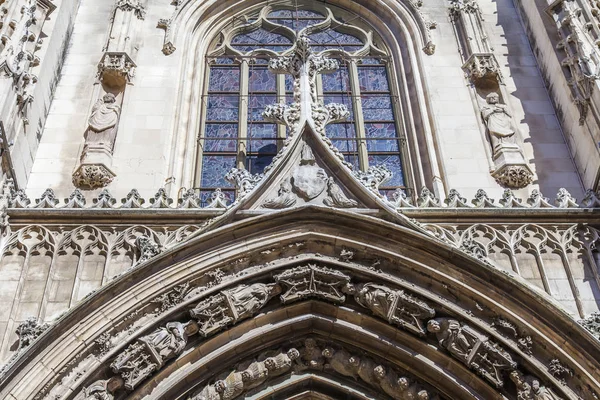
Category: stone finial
<point>217,199</point>
<point>75,200</point>
<point>104,200</point>
<point>189,199</point>
<point>19,199</point>
<point>400,199</point>
<point>427,199</point>
<point>565,200</point>
<point>482,200</point>
<point>509,200</point>
<point>47,200</point>
<point>132,200</point>
<point>455,200</point>
<point>161,199</point>
<point>536,200</point>
<point>590,199</point>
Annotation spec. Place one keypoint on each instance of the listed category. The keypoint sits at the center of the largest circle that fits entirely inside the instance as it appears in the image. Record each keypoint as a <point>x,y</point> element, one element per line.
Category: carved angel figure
<point>103,121</point>
<point>281,363</point>
<point>167,341</point>
<point>312,354</point>
<point>341,362</point>
<point>450,336</point>
<point>285,198</point>
<point>498,122</point>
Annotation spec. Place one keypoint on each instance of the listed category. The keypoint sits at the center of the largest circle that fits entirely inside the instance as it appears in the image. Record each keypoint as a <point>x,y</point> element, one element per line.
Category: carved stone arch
<point>124,252</point>
<point>494,243</point>
<point>400,27</point>
<point>338,259</point>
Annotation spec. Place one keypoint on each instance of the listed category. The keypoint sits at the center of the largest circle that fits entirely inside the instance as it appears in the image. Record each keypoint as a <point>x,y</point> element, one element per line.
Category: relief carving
<point>149,353</point>
<point>530,388</point>
<point>29,330</point>
<point>395,306</point>
<point>472,349</point>
<point>313,281</point>
<point>231,306</point>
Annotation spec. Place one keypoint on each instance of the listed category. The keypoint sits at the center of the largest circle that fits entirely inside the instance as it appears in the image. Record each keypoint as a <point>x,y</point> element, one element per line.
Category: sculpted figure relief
<point>103,122</point>
<point>529,388</point>
<point>395,306</point>
<point>341,362</point>
<point>499,123</point>
<point>472,348</point>
<point>232,305</point>
<point>149,353</point>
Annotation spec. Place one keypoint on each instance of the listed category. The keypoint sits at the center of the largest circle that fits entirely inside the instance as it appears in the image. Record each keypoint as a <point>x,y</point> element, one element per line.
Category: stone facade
<point>124,275</point>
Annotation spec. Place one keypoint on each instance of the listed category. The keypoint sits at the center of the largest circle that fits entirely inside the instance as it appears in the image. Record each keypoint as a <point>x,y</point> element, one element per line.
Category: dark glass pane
<point>341,99</point>
<point>214,169</point>
<point>289,83</point>
<point>262,138</point>
<point>224,60</point>
<point>296,24</point>
<point>343,136</point>
<point>257,104</point>
<point>261,80</point>
<point>248,47</point>
<point>330,36</point>
<point>367,61</point>
<point>224,79</point>
<point>373,79</point>
<point>220,137</point>
<point>256,163</point>
<point>205,196</point>
<point>337,81</point>
<point>261,36</point>
<point>377,108</point>
<point>222,107</point>
<point>392,162</point>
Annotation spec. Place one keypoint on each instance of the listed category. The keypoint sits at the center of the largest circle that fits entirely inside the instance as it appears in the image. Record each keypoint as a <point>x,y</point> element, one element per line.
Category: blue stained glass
<point>377,108</point>
<point>343,136</point>
<point>295,14</point>
<point>260,39</point>
<point>262,138</point>
<point>383,130</point>
<point>261,80</point>
<point>250,47</point>
<point>352,159</point>
<point>262,61</point>
<point>377,145</point>
<point>227,133</point>
<point>223,60</point>
<point>330,36</point>
<point>257,104</point>
<point>214,169</point>
<point>222,107</point>
<point>289,83</point>
<point>370,61</point>
<point>342,99</point>
<point>392,162</point>
<point>373,79</point>
<point>337,81</point>
<point>205,196</point>
<point>297,24</point>
<point>224,79</point>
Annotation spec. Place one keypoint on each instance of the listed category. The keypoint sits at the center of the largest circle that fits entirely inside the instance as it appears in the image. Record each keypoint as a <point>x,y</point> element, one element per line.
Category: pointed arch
<point>365,255</point>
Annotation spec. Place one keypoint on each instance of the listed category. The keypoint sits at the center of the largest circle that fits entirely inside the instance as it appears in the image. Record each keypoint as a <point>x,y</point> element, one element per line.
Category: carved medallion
<point>309,181</point>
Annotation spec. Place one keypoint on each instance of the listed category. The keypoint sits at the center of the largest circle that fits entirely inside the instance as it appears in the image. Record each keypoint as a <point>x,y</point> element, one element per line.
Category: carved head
<point>403,383</point>
<point>492,98</point>
<point>109,98</point>
<point>220,386</point>
<point>380,371</point>
<point>535,385</point>
<point>310,343</point>
<point>293,354</point>
<point>423,395</point>
<point>354,361</point>
<point>433,326</point>
<point>246,376</point>
<point>328,352</point>
<point>270,363</point>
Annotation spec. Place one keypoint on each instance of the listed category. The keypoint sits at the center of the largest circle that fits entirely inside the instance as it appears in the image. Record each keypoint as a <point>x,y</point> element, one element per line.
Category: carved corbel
<point>167,25</point>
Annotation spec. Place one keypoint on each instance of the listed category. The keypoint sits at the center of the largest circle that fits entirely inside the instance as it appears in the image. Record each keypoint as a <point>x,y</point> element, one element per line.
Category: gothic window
<point>240,86</point>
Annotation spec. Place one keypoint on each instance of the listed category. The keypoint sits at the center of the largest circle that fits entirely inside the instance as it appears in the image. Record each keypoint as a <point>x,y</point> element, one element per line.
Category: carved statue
<point>529,388</point>
<point>232,386</point>
<point>312,354</point>
<point>341,362</point>
<point>285,198</point>
<point>103,122</point>
<point>472,348</point>
<point>149,353</point>
<point>390,383</point>
<point>498,122</point>
<point>102,389</point>
<point>366,371</point>
<point>395,306</point>
<point>232,305</point>
<point>282,362</point>
<point>313,281</point>
<point>337,198</point>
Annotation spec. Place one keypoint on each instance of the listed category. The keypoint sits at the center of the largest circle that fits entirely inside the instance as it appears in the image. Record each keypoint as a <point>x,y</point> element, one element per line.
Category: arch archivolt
<point>265,279</point>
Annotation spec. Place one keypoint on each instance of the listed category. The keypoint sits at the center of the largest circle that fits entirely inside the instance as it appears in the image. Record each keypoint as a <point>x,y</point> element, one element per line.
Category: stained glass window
<point>240,86</point>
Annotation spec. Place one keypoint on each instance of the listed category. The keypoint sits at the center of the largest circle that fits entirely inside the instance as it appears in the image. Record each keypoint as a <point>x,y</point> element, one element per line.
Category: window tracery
<point>239,86</point>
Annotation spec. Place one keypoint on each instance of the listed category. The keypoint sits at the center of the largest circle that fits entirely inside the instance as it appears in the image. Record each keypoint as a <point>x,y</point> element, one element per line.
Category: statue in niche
<point>499,123</point>
<point>103,122</point>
